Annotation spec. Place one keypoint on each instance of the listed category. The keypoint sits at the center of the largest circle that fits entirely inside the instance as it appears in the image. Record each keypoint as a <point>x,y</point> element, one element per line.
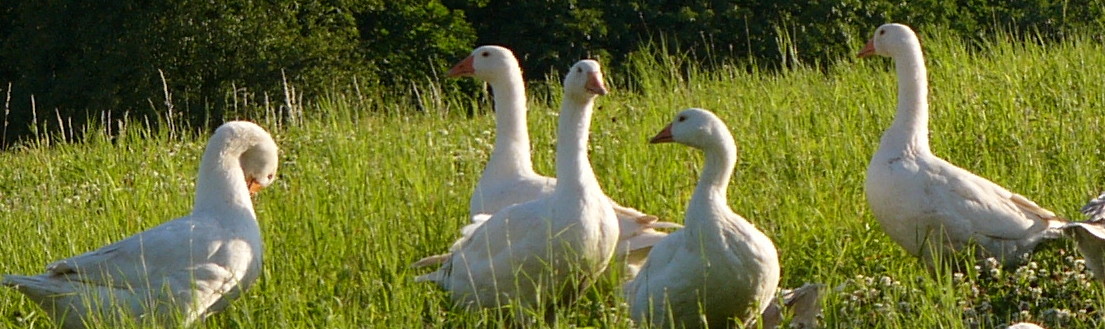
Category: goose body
<point>182,270</point>
<point>541,252</point>
<point>509,177</point>
<point>922,200</point>
<point>719,267</point>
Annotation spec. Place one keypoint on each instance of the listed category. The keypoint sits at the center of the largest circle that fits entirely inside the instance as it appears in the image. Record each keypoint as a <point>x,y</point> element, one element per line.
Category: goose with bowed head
<point>180,271</point>
<point>926,204</point>
<point>509,177</point>
<point>719,268</point>
<point>543,252</point>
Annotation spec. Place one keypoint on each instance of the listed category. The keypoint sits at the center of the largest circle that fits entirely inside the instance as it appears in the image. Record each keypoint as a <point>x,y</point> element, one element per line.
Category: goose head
<point>694,127</point>
<point>584,81</point>
<point>891,40</point>
<point>486,63</point>
<point>259,159</point>
<point>259,166</point>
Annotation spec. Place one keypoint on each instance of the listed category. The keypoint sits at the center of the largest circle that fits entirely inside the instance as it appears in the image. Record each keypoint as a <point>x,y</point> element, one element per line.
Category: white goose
<point>719,267</point>
<point>509,177</point>
<point>542,252</point>
<point>916,195</point>
<point>182,270</point>
<point>1090,236</point>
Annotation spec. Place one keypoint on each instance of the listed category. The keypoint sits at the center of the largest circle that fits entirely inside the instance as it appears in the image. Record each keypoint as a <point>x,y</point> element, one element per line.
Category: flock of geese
<point>535,243</point>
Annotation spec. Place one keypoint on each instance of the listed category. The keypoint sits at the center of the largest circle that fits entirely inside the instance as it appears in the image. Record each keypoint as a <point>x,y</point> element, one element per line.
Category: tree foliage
<point>549,34</point>
<point>79,58</point>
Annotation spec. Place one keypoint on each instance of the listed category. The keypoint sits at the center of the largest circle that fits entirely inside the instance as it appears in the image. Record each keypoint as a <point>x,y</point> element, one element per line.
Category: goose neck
<point>910,127</point>
<point>221,185</point>
<point>713,183</point>
<point>512,149</point>
<point>573,169</point>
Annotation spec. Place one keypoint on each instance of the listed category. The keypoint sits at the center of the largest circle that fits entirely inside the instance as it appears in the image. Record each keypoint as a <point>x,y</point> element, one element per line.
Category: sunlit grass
<point>366,188</point>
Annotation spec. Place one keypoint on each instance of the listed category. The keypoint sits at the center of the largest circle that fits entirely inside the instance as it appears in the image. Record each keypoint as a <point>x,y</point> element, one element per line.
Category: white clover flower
<point>1080,265</point>
<point>885,281</point>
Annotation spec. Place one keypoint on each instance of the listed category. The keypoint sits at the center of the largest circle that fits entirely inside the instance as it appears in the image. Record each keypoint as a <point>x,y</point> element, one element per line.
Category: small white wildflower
<point>1036,292</point>
<point>885,281</point>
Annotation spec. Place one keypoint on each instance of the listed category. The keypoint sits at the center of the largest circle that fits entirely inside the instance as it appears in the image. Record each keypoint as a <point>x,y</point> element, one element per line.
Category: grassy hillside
<point>367,187</point>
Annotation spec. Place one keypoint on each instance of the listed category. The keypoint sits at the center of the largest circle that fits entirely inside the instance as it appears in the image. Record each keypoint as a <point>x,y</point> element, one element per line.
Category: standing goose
<point>719,267</point>
<point>542,252</point>
<point>1090,236</point>
<point>509,177</point>
<point>916,195</point>
<point>182,270</point>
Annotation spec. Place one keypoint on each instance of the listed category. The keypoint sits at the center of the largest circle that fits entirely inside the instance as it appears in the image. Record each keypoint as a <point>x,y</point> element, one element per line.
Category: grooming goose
<point>1090,236</point>
<point>509,177</point>
<point>719,268</point>
<point>542,252</point>
<point>916,195</point>
<point>182,270</point>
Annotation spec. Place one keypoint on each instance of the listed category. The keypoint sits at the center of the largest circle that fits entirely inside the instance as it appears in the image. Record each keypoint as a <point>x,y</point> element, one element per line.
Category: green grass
<point>366,187</point>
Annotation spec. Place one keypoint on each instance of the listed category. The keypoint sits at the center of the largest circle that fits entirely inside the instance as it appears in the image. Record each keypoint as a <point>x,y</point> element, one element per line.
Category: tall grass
<point>368,186</point>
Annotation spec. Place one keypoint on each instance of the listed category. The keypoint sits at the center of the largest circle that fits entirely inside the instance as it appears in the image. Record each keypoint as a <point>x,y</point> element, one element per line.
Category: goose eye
<point>485,54</point>
<point>270,176</point>
<point>881,32</point>
<point>579,70</point>
<point>682,118</point>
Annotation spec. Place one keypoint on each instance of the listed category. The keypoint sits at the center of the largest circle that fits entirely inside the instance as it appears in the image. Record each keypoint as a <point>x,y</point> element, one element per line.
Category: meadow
<point>366,187</point>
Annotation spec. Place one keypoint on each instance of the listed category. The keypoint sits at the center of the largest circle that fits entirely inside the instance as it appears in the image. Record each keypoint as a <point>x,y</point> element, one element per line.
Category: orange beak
<point>595,85</point>
<point>868,49</point>
<point>462,69</point>
<point>663,137</point>
<point>254,186</point>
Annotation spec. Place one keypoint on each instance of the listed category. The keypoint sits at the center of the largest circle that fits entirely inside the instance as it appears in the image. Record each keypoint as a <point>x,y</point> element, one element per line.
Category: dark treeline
<point>79,59</point>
